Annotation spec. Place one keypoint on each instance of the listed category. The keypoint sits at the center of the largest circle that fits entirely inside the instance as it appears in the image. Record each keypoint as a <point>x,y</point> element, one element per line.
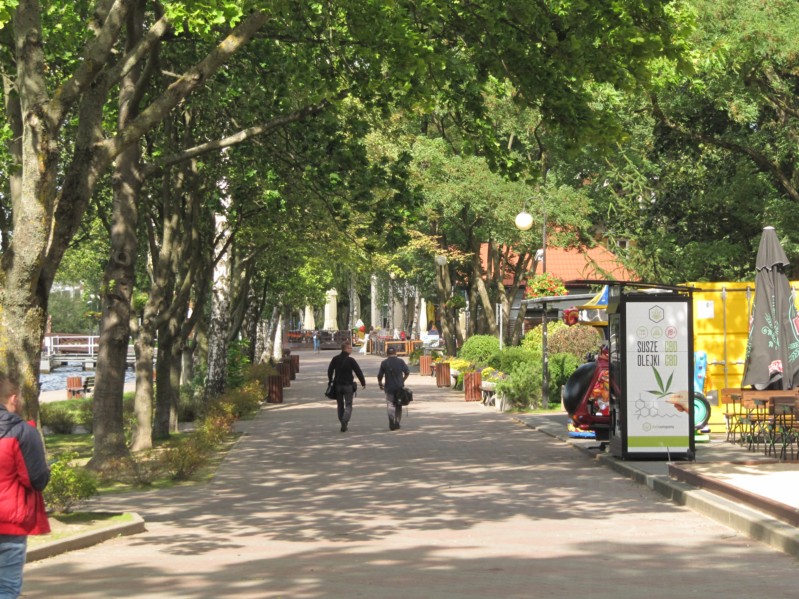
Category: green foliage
<point>192,396</point>
<point>509,357</point>
<point>238,363</point>
<point>492,375</point>
<point>187,456</point>
<point>58,419</point>
<point>479,348</point>
<point>140,469</point>
<point>577,340</point>
<point>533,339</point>
<point>241,401</point>
<point>413,357</point>
<point>71,313</point>
<point>192,452</point>
<point>68,484</point>
<point>523,386</point>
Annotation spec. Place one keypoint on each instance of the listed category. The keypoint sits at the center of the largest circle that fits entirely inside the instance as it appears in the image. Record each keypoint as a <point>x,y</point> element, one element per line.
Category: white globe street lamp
<point>524,221</point>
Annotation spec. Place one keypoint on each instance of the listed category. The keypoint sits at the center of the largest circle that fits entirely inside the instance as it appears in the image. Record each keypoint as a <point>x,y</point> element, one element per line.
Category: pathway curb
<point>86,539</point>
<point>748,521</point>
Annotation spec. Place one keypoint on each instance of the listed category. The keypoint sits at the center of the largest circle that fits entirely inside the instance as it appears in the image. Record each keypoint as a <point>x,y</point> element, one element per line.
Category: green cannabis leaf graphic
<point>661,391</point>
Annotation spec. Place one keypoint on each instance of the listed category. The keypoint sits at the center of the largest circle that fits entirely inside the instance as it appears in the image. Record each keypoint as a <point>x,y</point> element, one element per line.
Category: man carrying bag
<point>391,368</point>
<point>341,373</point>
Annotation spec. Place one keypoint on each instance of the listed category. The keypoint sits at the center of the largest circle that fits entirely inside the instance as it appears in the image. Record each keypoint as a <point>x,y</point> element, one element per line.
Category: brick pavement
<point>462,502</point>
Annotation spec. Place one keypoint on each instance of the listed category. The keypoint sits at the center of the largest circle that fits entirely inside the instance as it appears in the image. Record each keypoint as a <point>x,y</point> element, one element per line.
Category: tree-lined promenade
<point>462,502</point>
<point>205,175</point>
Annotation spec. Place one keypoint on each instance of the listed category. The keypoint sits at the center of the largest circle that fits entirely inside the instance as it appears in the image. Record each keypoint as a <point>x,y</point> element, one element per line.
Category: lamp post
<point>524,222</point>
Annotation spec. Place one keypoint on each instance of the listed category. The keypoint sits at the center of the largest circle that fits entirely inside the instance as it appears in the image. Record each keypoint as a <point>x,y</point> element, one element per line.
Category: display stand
<point>651,372</point>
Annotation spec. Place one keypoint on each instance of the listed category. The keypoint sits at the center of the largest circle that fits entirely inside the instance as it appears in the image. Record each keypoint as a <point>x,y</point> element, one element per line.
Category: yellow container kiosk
<point>721,330</point>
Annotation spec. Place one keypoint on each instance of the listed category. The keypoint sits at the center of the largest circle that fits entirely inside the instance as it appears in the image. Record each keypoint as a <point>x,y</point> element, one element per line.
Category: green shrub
<point>577,340</point>
<point>139,469</point>
<point>506,359</point>
<point>68,484</point>
<point>244,400</point>
<point>523,385</point>
<point>533,339</point>
<point>238,362</point>
<point>479,348</point>
<point>58,419</point>
<point>187,456</point>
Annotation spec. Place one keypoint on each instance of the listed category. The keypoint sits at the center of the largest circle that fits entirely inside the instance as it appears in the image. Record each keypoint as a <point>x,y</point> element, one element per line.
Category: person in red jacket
<point>23,476</point>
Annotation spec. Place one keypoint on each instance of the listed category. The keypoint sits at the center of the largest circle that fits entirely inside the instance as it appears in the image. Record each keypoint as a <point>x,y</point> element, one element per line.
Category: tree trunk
<point>143,402</point>
<point>220,316</point>
<point>269,336</point>
<point>120,274</point>
<point>444,288</point>
<point>165,402</point>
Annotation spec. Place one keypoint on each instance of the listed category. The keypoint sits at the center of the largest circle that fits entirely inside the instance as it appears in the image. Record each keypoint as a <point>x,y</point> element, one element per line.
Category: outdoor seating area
<point>380,346</point>
<point>763,420</point>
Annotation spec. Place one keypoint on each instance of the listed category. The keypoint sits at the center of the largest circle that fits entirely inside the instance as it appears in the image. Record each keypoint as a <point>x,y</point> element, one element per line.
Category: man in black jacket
<point>342,372</point>
<point>395,371</point>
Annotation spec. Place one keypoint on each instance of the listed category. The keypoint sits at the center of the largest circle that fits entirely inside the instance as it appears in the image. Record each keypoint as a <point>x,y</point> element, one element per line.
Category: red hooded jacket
<point>23,475</point>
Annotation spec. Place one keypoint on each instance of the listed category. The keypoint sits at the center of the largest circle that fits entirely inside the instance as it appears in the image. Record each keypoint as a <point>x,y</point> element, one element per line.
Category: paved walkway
<point>462,502</point>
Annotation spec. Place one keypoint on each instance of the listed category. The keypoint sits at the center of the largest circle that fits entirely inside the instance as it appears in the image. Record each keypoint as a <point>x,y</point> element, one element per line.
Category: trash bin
<point>471,386</point>
<point>274,388</point>
<point>284,368</point>
<point>443,378</point>
<point>425,365</point>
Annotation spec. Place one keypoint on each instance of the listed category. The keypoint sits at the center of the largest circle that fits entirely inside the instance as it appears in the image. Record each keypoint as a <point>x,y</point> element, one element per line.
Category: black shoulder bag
<point>402,396</point>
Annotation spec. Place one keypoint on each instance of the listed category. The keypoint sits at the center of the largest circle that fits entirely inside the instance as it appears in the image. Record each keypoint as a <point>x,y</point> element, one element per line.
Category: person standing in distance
<point>395,372</point>
<point>23,476</point>
<point>342,372</point>
<point>316,340</point>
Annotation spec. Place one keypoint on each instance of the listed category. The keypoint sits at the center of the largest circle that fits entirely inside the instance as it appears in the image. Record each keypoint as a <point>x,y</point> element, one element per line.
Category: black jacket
<point>396,371</point>
<point>342,368</point>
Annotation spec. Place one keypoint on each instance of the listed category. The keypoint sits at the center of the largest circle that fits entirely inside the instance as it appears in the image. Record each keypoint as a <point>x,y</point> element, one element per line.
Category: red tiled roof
<point>573,263</point>
<point>586,263</point>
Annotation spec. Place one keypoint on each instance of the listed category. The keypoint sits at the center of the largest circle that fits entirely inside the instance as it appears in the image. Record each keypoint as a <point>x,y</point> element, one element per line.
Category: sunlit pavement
<point>462,502</point>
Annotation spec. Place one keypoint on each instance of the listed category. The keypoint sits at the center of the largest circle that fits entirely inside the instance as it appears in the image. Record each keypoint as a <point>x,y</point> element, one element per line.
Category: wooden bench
<point>88,385</point>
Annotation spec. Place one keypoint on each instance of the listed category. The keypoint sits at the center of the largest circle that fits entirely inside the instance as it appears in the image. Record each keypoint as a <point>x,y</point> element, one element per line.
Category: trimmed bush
<point>479,348</point>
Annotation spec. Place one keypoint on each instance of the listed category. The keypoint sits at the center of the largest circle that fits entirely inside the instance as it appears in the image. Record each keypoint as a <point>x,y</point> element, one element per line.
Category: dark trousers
<point>344,395</point>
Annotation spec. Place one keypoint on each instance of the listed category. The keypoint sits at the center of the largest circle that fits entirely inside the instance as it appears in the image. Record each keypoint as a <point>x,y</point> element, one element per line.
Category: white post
<point>499,320</point>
